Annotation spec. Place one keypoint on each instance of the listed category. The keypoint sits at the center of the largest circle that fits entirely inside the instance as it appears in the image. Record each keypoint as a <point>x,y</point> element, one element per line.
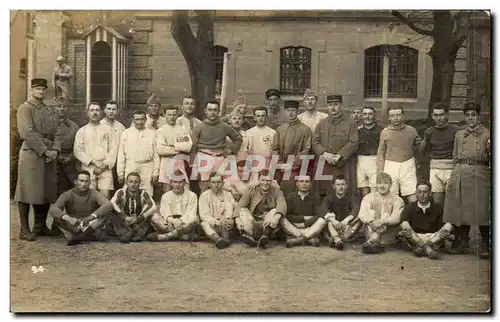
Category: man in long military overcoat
<point>37,178</point>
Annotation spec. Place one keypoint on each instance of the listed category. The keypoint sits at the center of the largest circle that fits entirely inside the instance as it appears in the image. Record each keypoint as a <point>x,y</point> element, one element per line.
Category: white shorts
<point>404,176</point>
<point>145,171</point>
<point>366,171</point>
<point>202,167</point>
<point>438,178</point>
<point>104,181</point>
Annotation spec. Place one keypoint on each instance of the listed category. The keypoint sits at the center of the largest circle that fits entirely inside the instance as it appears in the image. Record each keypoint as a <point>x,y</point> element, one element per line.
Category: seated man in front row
<point>340,211</point>
<point>380,212</point>
<point>303,220</point>
<point>259,211</point>
<point>422,224</point>
<point>134,208</point>
<point>216,212</point>
<point>81,212</point>
<point>178,217</point>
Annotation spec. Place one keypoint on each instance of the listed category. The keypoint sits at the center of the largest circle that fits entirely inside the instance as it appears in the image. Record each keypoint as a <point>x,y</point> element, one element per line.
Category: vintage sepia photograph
<point>291,161</point>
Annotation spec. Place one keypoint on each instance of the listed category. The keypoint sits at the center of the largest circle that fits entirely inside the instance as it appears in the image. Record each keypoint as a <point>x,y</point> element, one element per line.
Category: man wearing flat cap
<point>60,79</point>
<point>275,115</point>
<point>292,138</point>
<point>468,192</point>
<point>37,179</point>
<point>335,141</point>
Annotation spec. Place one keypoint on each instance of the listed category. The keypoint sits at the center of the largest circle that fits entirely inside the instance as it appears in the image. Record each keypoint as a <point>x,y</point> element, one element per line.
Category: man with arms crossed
<point>81,212</point>
<point>137,153</point>
<point>95,147</point>
<point>173,142</point>
<point>395,154</point>
<point>210,145</point>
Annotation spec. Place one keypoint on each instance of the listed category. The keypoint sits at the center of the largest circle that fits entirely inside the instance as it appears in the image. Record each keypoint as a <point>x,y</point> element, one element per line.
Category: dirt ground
<point>196,277</point>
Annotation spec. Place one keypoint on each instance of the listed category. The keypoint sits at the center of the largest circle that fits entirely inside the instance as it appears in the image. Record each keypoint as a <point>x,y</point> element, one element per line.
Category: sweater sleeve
<point>397,209</point>
<point>236,137</point>
<point>204,207</point>
<point>105,205</point>
<point>382,148</point>
<point>56,210</point>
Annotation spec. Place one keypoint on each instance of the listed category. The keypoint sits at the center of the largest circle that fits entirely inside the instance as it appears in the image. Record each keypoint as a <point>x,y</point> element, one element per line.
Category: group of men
<point>311,175</point>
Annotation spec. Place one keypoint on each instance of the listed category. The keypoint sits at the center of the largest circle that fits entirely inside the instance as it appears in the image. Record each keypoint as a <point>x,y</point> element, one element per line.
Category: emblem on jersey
<point>267,139</point>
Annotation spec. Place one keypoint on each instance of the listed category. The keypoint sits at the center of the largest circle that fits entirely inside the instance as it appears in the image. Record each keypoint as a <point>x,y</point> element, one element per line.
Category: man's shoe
<point>419,252</point>
<point>291,242</point>
<point>76,239</point>
<point>222,243</point>
<point>263,241</point>
<point>27,235</point>
<point>314,242</point>
<point>127,237</point>
<point>41,231</point>
<point>485,251</point>
<point>458,247</point>
<point>338,243</point>
<point>431,253</point>
<point>248,240</point>
<point>369,248</point>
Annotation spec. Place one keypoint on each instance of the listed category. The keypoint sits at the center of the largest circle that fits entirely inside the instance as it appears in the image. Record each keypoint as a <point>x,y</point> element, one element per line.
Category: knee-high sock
<point>24,212</point>
<point>315,229</point>
<point>410,236</point>
<point>332,231</point>
<point>290,228</point>
<point>41,212</point>
<point>442,234</point>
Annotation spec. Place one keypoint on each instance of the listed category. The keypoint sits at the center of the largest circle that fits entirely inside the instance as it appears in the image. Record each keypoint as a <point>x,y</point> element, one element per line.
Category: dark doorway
<point>101,73</point>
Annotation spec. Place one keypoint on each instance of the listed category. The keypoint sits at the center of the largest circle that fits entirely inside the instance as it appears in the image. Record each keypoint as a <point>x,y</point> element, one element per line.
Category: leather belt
<point>48,136</point>
<point>211,153</point>
<point>473,162</point>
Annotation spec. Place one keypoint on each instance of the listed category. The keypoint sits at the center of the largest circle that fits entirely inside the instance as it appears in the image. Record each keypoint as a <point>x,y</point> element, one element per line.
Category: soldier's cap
<point>60,58</point>
<point>272,92</point>
<point>61,100</point>
<point>153,99</point>
<point>291,104</point>
<point>35,82</point>
<point>334,98</point>
<point>309,93</point>
<point>471,106</point>
<point>355,107</point>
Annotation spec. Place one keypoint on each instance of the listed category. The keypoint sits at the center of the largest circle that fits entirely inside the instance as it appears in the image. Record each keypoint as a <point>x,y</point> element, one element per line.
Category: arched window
<point>219,66</point>
<point>403,71</point>
<point>295,70</point>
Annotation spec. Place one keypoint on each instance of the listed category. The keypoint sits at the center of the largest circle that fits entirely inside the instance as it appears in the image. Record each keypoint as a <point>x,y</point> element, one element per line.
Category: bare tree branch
<point>205,32</point>
<point>462,21</point>
<point>411,24</point>
<point>182,33</point>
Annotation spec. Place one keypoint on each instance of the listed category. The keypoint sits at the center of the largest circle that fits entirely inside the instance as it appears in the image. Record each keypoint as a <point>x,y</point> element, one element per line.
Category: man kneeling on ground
<point>303,220</point>
<point>380,212</point>
<point>134,208</point>
<point>259,211</point>
<point>81,212</point>
<point>216,212</point>
<point>340,211</point>
<point>422,224</point>
<point>178,219</point>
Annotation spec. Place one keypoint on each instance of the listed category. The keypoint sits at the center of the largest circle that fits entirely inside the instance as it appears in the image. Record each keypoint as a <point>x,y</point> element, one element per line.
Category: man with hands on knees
<point>259,211</point>
<point>177,219</point>
<point>81,212</point>
<point>216,212</point>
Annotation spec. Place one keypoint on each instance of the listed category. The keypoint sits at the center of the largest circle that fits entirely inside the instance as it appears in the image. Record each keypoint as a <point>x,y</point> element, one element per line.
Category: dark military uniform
<point>66,173</point>
<point>37,178</point>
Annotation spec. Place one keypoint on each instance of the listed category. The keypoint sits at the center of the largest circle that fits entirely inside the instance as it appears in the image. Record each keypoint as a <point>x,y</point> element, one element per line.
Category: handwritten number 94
<point>38,269</point>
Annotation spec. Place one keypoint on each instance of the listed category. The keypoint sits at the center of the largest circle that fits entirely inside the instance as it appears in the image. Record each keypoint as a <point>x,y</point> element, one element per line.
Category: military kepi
<point>291,104</point>
<point>35,82</point>
<point>272,92</point>
<point>334,98</point>
<point>471,106</point>
<point>153,99</point>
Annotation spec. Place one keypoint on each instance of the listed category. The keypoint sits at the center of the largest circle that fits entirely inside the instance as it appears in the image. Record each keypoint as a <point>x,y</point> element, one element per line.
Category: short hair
<point>396,107</point>
<point>340,177</point>
<point>260,108</point>
<point>216,102</point>
<point>368,107</point>
<point>111,102</point>
<point>264,173</point>
<point>382,176</point>
<point>425,183</point>
<point>84,172</point>
<point>215,174</point>
<point>134,174</point>
<point>187,96</point>
<point>171,107</point>
<point>61,100</point>
<point>138,112</point>
<point>94,103</point>
<point>304,177</point>
<point>440,106</point>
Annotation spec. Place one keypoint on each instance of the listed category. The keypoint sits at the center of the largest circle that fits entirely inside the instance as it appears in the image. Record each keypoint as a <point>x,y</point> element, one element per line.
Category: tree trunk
<point>198,54</point>
<point>443,71</point>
